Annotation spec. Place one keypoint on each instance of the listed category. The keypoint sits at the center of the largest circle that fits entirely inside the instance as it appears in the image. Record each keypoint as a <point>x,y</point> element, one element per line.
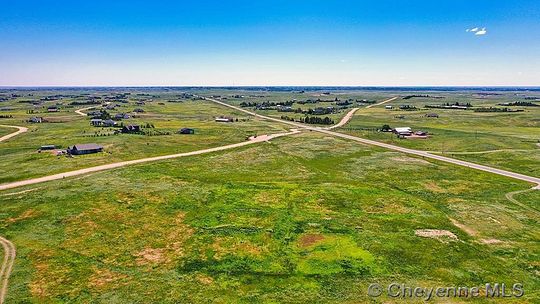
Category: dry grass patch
<point>102,278</point>
<point>440,235</point>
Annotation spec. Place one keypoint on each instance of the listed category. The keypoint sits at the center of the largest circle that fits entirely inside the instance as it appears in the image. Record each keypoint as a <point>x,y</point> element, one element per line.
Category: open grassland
<point>20,159</point>
<point>302,219</point>
<point>505,140</point>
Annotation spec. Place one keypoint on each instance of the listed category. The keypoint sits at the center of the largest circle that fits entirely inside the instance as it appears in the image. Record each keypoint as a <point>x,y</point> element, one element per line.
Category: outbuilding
<point>187,131</point>
<point>403,131</point>
<point>81,149</point>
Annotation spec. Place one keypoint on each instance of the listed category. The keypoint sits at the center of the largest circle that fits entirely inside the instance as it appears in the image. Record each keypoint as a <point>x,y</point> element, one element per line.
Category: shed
<point>81,149</point>
<point>187,131</point>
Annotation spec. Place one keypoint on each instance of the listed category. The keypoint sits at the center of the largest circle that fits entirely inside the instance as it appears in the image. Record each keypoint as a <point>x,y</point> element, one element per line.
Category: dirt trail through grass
<point>6,137</point>
<point>7,266</point>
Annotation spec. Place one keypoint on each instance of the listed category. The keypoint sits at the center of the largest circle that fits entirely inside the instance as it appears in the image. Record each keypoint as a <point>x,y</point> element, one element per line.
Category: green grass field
<point>302,219</point>
<point>307,218</point>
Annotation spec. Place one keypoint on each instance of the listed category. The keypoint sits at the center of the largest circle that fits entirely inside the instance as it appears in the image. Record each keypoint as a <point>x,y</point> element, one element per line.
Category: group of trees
<point>311,120</point>
<point>266,104</point>
<point>522,104</point>
<point>495,109</point>
<point>6,116</point>
<point>317,120</point>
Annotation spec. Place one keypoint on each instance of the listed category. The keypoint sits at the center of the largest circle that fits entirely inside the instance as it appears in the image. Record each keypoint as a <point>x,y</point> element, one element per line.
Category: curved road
<point>79,111</point>
<point>6,137</point>
<point>530,179</point>
<point>7,266</point>
<point>252,140</point>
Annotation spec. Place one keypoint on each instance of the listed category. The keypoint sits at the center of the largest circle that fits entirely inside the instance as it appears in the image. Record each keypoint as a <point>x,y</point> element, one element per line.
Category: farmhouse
<point>84,149</point>
<point>131,129</point>
<point>403,131</point>
<point>224,119</point>
<point>186,131</point>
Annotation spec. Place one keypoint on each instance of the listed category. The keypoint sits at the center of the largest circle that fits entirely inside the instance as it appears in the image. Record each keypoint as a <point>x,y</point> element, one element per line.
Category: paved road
<point>7,266</point>
<point>531,179</point>
<point>252,140</point>
<point>6,137</point>
<point>380,103</point>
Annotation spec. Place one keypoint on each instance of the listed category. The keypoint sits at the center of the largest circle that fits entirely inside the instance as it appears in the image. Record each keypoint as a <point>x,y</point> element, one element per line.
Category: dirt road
<point>252,140</point>
<point>344,120</point>
<point>79,111</point>
<point>7,266</point>
<point>6,137</point>
<point>380,103</point>
<point>530,179</point>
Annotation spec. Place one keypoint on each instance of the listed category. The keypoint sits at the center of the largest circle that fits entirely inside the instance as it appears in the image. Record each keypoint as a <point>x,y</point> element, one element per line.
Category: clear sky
<point>258,42</point>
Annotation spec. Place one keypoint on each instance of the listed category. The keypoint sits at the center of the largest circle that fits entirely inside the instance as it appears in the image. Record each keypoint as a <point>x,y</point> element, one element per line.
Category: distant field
<point>74,129</point>
<point>515,134</point>
<point>302,219</point>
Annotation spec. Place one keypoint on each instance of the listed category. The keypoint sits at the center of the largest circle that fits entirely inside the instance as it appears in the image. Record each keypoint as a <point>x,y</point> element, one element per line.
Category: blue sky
<point>269,42</point>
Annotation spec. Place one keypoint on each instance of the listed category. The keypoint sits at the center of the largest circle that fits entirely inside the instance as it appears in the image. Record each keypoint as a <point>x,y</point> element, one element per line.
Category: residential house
<point>109,123</point>
<point>96,122</point>
<point>36,120</point>
<point>131,129</point>
<point>403,131</point>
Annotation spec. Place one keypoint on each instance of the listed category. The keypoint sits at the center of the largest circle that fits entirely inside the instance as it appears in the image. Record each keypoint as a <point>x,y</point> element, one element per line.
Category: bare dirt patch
<point>310,239</point>
<point>440,235</point>
<point>490,241</point>
<point>150,256</point>
<point>461,226</point>
<point>103,277</point>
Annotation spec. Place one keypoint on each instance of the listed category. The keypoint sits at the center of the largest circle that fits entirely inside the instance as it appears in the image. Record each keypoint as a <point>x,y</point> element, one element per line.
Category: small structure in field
<point>109,123</point>
<point>131,129</point>
<point>433,115</point>
<point>47,147</point>
<point>403,131</point>
<point>52,109</point>
<point>138,110</point>
<point>96,122</point>
<point>420,133</point>
<point>388,107</point>
<point>120,116</point>
<point>224,119</point>
<point>81,149</point>
<point>186,131</point>
<point>36,120</point>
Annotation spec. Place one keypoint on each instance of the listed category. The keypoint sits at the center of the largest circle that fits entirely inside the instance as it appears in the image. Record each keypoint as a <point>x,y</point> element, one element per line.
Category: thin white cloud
<point>477,31</point>
<point>481,32</point>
